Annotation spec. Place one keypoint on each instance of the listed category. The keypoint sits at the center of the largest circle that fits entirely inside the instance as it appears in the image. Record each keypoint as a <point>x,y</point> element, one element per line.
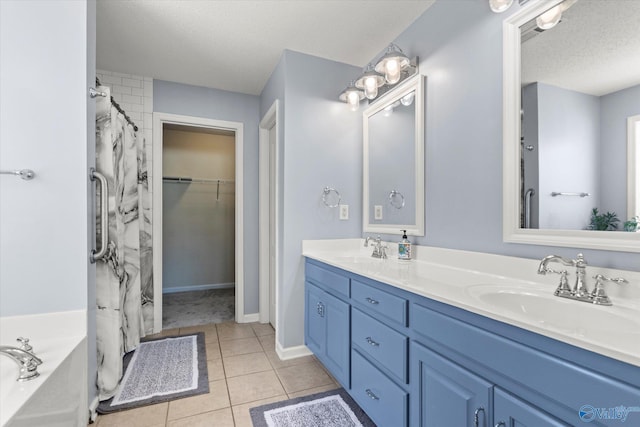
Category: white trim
<point>633,167</point>
<point>189,288</point>
<point>158,120</point>
<point>415,83</point>
<point>292,352</point>
<point>249,318</point>
<point>270,119</point>
<point>511,104</point>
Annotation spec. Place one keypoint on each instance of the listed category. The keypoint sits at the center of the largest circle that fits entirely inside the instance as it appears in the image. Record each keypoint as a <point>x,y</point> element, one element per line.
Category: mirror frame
<point>512,233</point>
<point>413,83</point>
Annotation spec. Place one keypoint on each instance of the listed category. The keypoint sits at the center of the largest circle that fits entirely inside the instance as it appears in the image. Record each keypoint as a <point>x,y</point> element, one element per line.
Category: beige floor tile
<point>246,364</point>
<point>303,377</point>
<point>278,364</point>
<point>241,412</point>
<point>146,416</point>
<point>268,342</point>
<point>215,369</point>
<point>219,418</point>
<point>240,346</point>
<point>217,398</point>
<point>263,329</point>
<point>198,328</point>
<point>211,336</point>
<point>234,331</point>
<point>166,333</point>
<point>313,391</point>
<point>213,350</point>
<point>248,388</point>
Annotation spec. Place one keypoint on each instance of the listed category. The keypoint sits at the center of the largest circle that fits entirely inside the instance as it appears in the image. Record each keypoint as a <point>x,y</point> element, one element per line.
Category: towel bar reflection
<point>26,174</point>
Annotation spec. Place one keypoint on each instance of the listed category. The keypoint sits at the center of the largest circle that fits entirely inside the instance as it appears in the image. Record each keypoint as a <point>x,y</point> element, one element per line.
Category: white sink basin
<point>561,314</point>
<point>358,259</point>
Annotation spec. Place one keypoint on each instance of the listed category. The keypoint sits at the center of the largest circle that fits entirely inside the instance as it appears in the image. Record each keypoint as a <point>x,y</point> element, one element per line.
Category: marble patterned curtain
<point>124,279</point>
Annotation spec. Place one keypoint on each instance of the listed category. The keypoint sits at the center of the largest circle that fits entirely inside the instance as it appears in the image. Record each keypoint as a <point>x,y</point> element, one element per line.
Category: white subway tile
<point>113,80</point>
<point>136,91</point>
<point>148,121</point>
<point>148,79</point>
<point>132,99</point>
<point>134,107</point>
<point>148,89</point>
<point>117,97</point>
<point>125,90</point>
<point>132,82</point>
<point>105,72</point>
<point>135,116</point>
<point>125,75</point>
<point>148,104</point>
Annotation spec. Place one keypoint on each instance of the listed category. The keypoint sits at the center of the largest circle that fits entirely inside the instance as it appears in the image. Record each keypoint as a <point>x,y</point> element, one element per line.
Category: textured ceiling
<point>595,49</point>
<point>234,45</point>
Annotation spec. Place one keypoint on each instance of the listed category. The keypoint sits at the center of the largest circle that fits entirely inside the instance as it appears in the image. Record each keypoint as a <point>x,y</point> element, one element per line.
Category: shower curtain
<point>124,279</point>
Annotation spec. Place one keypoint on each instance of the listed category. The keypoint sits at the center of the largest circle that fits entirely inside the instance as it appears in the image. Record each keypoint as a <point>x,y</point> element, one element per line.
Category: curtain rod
<point>119,108</point>
<point>188,180</point>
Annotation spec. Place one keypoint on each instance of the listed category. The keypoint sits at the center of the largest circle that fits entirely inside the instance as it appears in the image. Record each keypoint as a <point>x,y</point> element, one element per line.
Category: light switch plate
<point>377,212</point>
<point>344,212</point>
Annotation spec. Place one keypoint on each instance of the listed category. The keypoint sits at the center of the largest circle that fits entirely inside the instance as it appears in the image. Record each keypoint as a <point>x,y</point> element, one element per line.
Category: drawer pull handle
<point>320,309</point>
<point>372,301</point>
<point>371,395</point>
<point>501,423</point>
<point>476,416</point>
<point>372,342</point>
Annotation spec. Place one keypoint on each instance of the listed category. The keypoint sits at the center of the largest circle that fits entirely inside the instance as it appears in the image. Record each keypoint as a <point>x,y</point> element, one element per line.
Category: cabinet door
<point>337,351</point>
<point>509,411</point>
<point>445,394</point>
<point>315,321</point>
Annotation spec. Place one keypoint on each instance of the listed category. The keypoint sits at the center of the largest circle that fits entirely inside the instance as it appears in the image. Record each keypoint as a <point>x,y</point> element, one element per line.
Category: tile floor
<point>183,309</point>
<point>244,372</point>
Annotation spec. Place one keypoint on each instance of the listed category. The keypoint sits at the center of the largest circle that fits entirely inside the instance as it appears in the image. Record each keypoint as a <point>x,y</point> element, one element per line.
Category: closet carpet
<point>183,309</point>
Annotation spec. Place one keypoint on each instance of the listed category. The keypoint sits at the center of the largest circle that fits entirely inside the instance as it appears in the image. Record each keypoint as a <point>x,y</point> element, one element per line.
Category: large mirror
<point>393,180</point>
<point>572,124</point>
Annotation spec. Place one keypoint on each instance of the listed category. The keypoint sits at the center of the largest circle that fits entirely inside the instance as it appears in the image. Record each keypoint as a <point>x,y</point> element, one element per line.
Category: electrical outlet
<point>377,212</point>
<point>344,212</point>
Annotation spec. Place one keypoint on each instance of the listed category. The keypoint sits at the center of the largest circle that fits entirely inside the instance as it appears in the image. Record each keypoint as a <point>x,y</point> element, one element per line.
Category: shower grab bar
<point>527,207</point>
<point>104,215</point>
<point>26,174</point>
<point>556,193</point>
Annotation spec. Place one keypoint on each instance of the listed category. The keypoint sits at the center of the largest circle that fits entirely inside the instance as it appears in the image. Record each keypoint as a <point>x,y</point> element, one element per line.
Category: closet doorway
<point>197,213</point>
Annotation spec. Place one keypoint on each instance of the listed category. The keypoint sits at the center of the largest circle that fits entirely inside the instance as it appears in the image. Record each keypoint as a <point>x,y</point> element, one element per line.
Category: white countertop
<point>476,281</point>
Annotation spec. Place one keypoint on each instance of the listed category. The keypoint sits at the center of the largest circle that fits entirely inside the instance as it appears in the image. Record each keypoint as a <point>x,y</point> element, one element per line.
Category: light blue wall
<point>615,108</point>
<point>460,48</point>
<point>177,98</point>
<point>321,146</point>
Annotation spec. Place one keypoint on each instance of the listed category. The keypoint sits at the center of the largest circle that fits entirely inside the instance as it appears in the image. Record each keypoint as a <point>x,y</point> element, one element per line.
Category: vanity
<point>456,338</point>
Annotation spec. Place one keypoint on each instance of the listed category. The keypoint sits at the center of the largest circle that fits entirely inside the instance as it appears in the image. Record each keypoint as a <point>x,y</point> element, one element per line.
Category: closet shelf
<point>189,180</point>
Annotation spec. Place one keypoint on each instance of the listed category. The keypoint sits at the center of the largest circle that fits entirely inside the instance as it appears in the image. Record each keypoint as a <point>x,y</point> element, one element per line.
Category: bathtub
<point>58,397</point>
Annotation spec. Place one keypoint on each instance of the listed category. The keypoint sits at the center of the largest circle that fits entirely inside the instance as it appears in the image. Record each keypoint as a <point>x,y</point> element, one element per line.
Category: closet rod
<point>187,180</point>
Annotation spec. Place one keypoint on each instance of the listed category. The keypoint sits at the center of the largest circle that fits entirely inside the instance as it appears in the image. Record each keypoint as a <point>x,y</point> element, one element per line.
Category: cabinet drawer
<point>380,302</point>
<point>384,401</point>
<point>328,280</point>
<point>380,342</point>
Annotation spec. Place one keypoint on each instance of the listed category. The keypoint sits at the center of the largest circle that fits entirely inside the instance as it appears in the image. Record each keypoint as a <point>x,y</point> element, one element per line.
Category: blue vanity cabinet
<point>446,394</point>
<point>509,411</point>
<point>327,321</point>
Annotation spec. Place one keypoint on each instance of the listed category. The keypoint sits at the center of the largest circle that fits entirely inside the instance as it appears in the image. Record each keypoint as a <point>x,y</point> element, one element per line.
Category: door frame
<point>159,119</point>
<point>270,120</point>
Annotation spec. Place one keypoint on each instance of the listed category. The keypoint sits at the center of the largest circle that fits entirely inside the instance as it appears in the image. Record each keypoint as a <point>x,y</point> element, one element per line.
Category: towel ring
<point>326,192</point>
<point>393,195</point>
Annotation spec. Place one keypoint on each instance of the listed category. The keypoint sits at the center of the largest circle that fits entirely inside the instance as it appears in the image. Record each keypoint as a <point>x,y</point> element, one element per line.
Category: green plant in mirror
<point>603,221</point>
<point>632,224</point>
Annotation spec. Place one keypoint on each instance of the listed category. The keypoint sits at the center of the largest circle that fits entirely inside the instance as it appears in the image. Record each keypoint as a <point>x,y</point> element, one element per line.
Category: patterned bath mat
<point>333,408</point>
<point>160,370</point>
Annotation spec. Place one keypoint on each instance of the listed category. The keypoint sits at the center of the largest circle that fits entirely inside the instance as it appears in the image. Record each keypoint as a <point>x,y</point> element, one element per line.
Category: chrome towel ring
<point>325,194</point>
<point>396,199</point>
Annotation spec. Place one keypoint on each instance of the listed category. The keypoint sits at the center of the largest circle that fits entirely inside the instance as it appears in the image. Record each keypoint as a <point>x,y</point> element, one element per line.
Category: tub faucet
<point>27,361</point>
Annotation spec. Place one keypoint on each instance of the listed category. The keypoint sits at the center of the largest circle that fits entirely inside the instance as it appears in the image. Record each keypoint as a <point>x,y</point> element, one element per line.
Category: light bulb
<point>353,99</point>
<point>370,87</point>
<point>392,71</point>
<point>407,99</point>
<point>550,18</point>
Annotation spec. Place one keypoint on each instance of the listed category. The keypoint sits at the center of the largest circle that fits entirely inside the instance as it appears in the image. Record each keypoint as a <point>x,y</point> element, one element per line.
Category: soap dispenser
<point>404,247</point>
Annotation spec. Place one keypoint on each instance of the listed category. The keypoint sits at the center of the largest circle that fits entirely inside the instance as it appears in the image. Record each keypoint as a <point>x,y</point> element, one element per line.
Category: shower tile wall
<point>135,96</point>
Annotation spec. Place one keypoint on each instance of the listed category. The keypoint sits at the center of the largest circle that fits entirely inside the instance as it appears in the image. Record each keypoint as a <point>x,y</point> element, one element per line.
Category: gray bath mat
<point>333,408</point>
<point>160,370</point>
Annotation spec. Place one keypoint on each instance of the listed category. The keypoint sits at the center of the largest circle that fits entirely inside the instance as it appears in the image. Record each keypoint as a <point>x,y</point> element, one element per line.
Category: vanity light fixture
<point>550,18</point>
<point>408,99</point>
<point>370,81</point>
<point>499,6</point>
<point>352,96</point>
<point>392,63</point>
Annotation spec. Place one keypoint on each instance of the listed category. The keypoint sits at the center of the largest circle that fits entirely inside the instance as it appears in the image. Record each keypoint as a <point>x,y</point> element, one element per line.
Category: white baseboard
<point>197,288</point>
<point>93,415</point>
<point>292,352</point>
<point>249,318</point>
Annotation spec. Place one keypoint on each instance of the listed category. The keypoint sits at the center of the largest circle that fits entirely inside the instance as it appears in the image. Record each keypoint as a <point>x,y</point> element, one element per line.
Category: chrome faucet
<point>26,360</point>
<point>580,291</point>
<point>379,250</point>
